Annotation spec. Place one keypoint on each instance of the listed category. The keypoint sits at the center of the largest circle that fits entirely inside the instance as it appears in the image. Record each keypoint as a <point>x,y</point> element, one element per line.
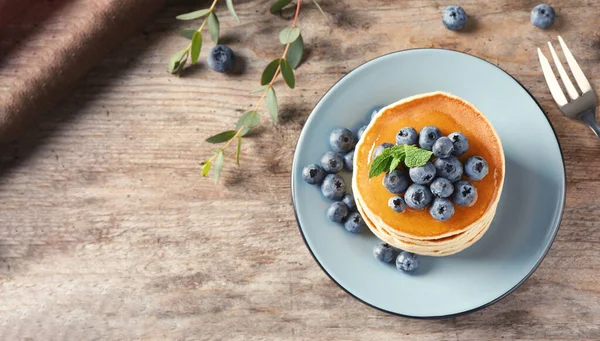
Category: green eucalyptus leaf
<point>213,27</point>
<point>269,72</point>
<point>272,104</point>
<point>193,15</point>
<point>180,65</point>
<point>205,168</point>
<point>232,10</point>
<point>294,54</point>
<point>320,9</point>
<point>239,149</point>
<point>175,60</point>
<point>222,137</point>
<point>196,46</point>
<point>288,73</point>
<point>249,120</point>
<point>218,166</point>
<point>279,5</point>
<point>260,88</point>
<point>288,35</point>
<point>188,33</point>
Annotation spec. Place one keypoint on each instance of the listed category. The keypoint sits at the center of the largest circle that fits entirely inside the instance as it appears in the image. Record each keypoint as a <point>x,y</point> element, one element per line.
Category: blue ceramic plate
<point>528,214</point>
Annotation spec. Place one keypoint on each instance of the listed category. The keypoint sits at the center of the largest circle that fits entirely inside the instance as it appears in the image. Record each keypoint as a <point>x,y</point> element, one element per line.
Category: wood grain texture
<point>108,231</point>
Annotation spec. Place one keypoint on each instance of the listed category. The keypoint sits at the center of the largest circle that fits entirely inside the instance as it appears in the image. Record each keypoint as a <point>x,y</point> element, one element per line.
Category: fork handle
<point>589,118</point>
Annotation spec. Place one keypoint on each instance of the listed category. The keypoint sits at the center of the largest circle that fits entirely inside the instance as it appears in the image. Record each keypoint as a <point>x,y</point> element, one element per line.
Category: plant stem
<point>285,51</point>
<point>211,9</point>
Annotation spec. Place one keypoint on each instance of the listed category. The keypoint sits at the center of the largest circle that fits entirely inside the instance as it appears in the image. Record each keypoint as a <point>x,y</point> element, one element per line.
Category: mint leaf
<point>394,164</point>
<point>415,156</point>
<point>382,163</point>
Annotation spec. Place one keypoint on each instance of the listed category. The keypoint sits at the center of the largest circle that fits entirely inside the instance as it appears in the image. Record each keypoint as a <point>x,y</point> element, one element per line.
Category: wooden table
<point>109,232</point>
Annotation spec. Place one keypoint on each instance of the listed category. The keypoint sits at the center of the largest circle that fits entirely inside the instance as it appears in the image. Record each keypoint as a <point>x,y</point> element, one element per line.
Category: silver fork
<point>581,107</point>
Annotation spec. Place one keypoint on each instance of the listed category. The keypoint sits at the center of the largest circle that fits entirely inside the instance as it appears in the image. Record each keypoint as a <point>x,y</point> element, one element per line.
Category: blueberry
<point>337,212</point>
<point>355,223</point>
<point>428,136</point>
<point>341,140</point>
<point>443,147</point>
<point>395,181</point>
<point>332,162</point>
<point>441,209</point>
<point>449,168</point>
<point>407,262</point>
<point>383,252</point>
<point>422,175</point>
<point>441,187</point>
<point>380,149</point>
<point>348,199</point>
<point>221,59</point>
<point>407,135</point>
<point>454,18</point>
<point>349,160</point>
<point>476,168</point>
<point>460,143</point>
<point>397,204</point>
<point>542,16</point>
<point>313,174</point>
<point>361,131</point>
<point>465,194</point>
<point>417,196</point>
<point>333,187</point>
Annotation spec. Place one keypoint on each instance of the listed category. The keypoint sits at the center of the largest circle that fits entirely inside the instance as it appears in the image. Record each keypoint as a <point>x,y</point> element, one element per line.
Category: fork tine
<point>580,78</point>
<point>555,89</point>
<point>563,74</point>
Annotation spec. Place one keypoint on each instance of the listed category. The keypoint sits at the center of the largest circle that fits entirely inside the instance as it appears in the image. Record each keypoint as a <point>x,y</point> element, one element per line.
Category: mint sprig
<point>391,158</point>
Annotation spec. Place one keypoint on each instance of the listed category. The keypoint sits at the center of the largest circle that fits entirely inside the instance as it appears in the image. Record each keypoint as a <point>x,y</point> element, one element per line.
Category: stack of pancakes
<point>415,230</point>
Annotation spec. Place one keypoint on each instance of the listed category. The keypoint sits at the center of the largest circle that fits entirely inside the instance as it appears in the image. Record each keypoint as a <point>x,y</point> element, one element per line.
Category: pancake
<point>416,230</point>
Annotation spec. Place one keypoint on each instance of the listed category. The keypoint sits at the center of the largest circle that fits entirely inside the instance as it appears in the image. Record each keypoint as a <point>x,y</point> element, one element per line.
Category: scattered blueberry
<point>428,136</point>
<point>348,199</point>
<point>383,252</point>
<point>337,212</point>
<point>454,18</point>
<point>313,174</point>
<point>380,149</point>
<point>349,160</point>
<point>441,209</point>
<point>397,204</point>
<point>407,135</point>
<point>355,223</point>
<point>417,196</point>
<point>361,131</point>
<point>476,168</point>
<point>341,140</point>
<point>407,262</point>
<point>465,194</point>
<point>221,59</point>
<point>332,162</point>
<point>460,143</point>
<point>333,187</point>
<point>422,175</point>
<point>443,147</point>
<point>542,16</point>
<point>441,188</point>
<point>395,181</point>
<point>449,168</point>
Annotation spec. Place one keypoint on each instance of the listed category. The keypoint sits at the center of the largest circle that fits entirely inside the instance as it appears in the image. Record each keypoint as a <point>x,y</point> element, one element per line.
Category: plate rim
<point>501,297</point>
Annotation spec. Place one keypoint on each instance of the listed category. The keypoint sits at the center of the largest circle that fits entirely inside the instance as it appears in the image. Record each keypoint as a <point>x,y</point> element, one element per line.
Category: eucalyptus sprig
<point>291,37</point>
<point>192,51</point>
